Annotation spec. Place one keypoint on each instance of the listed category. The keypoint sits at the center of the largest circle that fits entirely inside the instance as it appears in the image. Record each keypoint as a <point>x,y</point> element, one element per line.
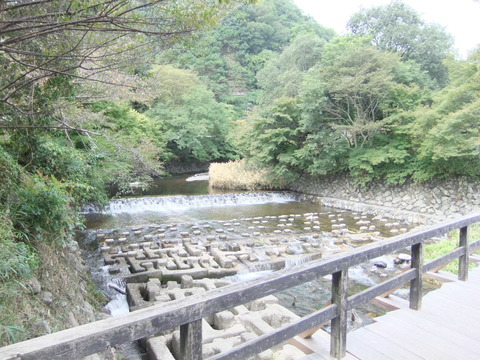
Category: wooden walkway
<point>447,327</point>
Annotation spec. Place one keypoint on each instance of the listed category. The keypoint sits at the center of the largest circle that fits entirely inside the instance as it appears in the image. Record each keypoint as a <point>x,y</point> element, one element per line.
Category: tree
<point>397,27</point>
<point>80,39</point>
<point>194,124</point>
<point>282,76</point>
<point>358,82</point>
<point>272,139</point>
<point>446,134</point>
<point>230,56</point>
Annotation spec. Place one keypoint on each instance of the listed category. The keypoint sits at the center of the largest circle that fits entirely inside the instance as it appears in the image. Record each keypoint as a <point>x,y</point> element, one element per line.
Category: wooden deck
<point>447,327</point>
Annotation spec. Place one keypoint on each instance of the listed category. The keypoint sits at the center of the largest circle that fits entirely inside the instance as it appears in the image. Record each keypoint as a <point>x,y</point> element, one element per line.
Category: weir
<point>175,203</point>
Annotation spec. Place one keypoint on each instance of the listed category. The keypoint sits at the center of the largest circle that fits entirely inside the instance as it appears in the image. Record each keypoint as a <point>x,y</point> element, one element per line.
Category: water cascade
<point>182,203</point>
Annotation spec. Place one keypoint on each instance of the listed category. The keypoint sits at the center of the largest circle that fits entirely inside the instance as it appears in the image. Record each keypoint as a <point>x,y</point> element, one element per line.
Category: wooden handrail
<point>81,341</point>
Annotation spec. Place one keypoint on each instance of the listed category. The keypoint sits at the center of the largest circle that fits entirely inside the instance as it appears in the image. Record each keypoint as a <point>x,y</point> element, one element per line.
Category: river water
<point>181,202</point>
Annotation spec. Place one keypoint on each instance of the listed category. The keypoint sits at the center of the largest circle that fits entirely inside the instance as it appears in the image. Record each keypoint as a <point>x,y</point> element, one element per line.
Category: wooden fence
<point>81,341</point>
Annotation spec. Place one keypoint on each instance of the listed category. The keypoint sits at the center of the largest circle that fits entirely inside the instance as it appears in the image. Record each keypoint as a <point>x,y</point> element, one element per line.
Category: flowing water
<point>187,203</point>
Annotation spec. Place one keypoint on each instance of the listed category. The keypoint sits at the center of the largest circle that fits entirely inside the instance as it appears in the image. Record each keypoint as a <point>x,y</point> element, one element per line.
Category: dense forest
<point>96,95</point>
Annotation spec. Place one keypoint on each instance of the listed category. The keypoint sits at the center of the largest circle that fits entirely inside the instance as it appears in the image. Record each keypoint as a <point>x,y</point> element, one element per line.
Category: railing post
<point>338,336</point>
<point>464,259</point>
<point>191,340</point>
<point>416,284</point>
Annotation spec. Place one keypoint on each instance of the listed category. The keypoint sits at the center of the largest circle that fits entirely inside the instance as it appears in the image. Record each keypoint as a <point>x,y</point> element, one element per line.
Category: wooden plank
<point>424,344</point>
<point>455,319</point>
<point>474,276</point>
<point>310,332</point>
<point>338,336</point>
<point>464,296</point>
<point>366,345</point>
<point>391,302</point>
<point>442,261</point>
<point>458,293</point>
<point>474,246</point>
<point>416,284</point>
<point>441,276</point>
<point>277,336</point>
<point>436,327</point>
<point>463,260</point>
<point>320,343</point>
<point>444,341</point>
<point>191,340</point>
<point>366,295</point>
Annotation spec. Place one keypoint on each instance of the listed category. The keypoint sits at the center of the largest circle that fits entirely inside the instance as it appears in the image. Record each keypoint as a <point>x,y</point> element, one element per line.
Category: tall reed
<point>240,175</point>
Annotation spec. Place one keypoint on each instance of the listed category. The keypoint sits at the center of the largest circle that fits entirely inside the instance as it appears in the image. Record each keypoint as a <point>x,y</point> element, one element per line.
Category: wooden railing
<point>81,341</point>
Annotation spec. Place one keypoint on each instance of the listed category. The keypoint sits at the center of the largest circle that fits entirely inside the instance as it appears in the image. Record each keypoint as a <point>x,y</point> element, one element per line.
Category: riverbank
<point>425,203</point>
<point>60,294</point>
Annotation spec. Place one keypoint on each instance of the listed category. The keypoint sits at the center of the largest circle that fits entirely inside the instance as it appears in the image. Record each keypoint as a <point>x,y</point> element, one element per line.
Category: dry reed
<point>240,175</point>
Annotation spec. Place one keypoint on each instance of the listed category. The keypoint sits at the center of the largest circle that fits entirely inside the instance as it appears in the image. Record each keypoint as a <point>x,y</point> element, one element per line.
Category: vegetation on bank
<point>445,246</point>
<point>73,89</point>
<point>86,106</point>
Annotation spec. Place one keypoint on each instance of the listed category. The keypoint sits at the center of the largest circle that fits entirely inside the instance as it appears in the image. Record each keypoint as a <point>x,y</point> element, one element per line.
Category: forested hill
<point>99,93</point>
<point>229,57</point>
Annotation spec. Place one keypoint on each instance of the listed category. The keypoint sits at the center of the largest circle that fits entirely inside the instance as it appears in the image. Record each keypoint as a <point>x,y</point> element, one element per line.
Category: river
<point>185,204</point>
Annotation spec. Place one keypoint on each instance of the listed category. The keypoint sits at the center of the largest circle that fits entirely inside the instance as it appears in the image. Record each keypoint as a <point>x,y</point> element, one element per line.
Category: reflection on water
<point>178,185</point>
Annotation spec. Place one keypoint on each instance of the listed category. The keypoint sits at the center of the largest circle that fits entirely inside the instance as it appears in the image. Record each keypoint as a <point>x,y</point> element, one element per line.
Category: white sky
<point>461,18</point>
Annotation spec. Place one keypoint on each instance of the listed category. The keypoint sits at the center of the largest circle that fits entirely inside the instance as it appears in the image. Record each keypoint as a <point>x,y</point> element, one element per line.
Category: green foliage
<point>9,333</point>
<point>389,160</point>
<point>445,246</point>
<point>131,149</point>
<point>55,39</point>
<point>193,124</point>
<point>43,209</point>
<point>231,55</point>
<point>282,75</point>
<point>358,83</point>
<point>399,28</point>
<point>17,259</point>
<point>273,139</point>
<point>446,134</point>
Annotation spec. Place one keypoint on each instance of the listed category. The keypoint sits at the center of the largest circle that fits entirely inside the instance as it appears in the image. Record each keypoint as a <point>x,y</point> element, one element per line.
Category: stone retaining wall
<point>426,203</point>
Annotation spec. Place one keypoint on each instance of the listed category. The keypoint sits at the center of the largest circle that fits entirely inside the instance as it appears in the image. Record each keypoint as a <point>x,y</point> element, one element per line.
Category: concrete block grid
<point>223,330</point>
<point>162,263</point>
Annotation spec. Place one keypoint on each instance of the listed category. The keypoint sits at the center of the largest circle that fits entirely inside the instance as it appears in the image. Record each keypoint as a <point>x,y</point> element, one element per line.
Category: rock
<point>41,327</point>
<point>35,286</point>
<point>404,257</point>
<point>397,261</point>
<point>72,319</point>
<point>46,297</point>
<point>158,348</point>
<point>380,264</point>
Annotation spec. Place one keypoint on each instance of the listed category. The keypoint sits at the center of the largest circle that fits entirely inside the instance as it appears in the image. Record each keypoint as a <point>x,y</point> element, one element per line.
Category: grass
<point>21,310</point>
<point>443,247</point>
<point>240,175</point>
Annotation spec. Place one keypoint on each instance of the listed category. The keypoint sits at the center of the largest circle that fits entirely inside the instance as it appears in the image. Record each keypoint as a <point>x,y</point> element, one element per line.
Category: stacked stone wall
<point>427,202</point>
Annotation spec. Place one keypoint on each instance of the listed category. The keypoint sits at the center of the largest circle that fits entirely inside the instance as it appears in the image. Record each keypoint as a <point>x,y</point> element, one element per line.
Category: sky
<point>461,18</point>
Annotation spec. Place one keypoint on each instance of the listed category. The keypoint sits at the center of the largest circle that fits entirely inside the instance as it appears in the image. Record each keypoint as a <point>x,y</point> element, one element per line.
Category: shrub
<point>17,260</point>
<point>42,209</point>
